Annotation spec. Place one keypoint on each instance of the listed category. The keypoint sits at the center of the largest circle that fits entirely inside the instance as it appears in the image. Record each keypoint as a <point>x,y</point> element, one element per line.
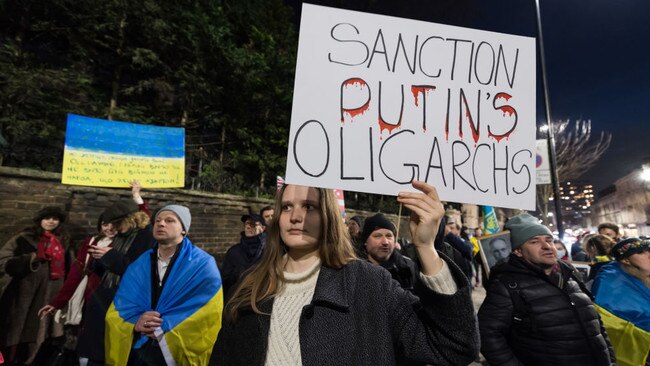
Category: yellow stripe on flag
<point>117,341</point>
<point>191,341</point>
<point>631,344</point>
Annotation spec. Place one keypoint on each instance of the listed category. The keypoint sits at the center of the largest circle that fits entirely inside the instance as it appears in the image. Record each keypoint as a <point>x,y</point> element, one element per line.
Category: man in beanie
<point>170,297</point>
<point>244,254</point>
<point>537,311</point>
<point>378,236</point>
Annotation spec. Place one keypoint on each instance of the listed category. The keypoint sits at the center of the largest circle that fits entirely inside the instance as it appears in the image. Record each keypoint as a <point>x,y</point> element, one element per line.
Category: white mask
<point>561,253</point>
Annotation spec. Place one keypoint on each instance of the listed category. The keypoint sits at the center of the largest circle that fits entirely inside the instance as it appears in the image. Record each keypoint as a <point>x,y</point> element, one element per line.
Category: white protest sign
<point>542,163</point>
<point>380,101</point>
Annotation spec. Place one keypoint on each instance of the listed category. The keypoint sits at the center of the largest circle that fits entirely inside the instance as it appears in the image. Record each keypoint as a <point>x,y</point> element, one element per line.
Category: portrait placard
<point>494,248</point>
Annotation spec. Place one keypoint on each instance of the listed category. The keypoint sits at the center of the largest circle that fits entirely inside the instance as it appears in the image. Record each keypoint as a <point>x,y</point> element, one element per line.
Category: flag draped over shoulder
<point>190,305</point>
<point>622,301</point>
<point>490,222</point>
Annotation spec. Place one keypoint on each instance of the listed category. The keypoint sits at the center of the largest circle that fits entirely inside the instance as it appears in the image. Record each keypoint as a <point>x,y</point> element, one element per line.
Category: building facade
<point>626,203</point>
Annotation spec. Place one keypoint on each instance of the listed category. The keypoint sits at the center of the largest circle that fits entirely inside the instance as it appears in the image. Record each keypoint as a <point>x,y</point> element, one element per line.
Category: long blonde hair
<point>265,279</point>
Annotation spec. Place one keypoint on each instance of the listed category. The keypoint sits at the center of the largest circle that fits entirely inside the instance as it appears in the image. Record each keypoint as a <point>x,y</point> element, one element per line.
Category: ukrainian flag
<point>191,304</point>
<point>490,221</point>
<point>104,153</point>
<point>623,304</point>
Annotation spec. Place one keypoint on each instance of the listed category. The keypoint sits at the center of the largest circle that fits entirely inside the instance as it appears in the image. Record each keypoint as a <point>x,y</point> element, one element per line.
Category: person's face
<point>608,232</point>
<point>268,216</point>
<point>499,249</point>
<point>539,250</point>
<point>353,228</point>
<point>640,261</point>
<point>50,223</point>
<point>168,228</point>
<point>380,245</point>
<point>451,228</point>
<point>300,219</point>
<point>109,229</point>
<point>478,232</point>
<point>252,228</point>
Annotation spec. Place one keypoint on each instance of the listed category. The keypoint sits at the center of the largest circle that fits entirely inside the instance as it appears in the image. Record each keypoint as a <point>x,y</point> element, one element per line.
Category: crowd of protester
<point>304,286</point>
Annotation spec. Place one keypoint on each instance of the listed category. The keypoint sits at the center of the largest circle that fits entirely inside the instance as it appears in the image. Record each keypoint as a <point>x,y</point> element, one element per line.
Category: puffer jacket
<point>528,320</point>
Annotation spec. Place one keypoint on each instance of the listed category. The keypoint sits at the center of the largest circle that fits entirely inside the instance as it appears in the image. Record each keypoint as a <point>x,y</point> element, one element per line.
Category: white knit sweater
<point>284,339</point>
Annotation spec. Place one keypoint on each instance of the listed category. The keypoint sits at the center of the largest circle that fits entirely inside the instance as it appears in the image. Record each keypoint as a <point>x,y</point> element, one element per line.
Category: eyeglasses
<point>252,223</point>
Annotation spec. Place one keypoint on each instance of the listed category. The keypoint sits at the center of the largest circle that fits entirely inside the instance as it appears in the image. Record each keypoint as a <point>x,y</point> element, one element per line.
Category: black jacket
<point>402,269</point>
<point>239,258</point>
<point>360,316</point>
<point>546,324</point>
<point>91,339</point>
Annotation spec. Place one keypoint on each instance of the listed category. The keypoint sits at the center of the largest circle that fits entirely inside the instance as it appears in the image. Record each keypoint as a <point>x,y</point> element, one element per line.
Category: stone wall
<point>215,217</point>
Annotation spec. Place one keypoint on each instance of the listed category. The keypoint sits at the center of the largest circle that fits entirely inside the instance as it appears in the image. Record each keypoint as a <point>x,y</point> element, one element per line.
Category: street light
<point>645,173</point>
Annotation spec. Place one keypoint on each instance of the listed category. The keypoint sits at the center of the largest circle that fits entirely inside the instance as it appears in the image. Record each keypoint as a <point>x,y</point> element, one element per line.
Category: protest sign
<point>104,153</point>
<point>380,101</point>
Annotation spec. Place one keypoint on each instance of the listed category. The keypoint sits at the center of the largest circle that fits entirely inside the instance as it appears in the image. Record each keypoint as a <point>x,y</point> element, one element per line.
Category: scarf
<point>121,243</point>
<point>50,250</point>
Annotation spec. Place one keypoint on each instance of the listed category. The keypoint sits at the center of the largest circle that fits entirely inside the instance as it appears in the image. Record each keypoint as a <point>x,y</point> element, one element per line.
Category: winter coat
<point>28,290</point>
<point>360,316</point>
<point>402,269</point>
<point>78,270</point>
<point>91,338</point>
<point>240,257</point>
<point>539,323</point>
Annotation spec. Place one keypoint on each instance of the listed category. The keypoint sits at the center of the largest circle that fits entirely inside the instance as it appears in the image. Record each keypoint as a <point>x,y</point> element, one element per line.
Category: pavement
<point>478,295</point>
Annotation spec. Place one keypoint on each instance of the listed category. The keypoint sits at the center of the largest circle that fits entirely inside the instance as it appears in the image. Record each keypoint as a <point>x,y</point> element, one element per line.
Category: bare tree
<point>576,151</point>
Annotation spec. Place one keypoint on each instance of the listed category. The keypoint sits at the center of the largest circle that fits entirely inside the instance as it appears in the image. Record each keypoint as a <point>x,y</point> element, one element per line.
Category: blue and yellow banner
<point>623,303</point>
<point>490,222</point>
<point>191,304</point>
<point>105,153</point>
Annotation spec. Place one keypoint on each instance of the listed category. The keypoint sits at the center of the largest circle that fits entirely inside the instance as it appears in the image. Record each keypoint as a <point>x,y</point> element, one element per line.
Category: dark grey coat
<point>359,315</point>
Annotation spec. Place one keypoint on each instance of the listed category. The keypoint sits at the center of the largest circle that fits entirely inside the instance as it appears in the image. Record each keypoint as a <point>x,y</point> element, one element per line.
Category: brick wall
<point>215,217</point>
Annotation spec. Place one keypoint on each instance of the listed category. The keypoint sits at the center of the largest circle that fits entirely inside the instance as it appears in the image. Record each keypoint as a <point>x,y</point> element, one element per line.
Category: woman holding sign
<point>311,301</point>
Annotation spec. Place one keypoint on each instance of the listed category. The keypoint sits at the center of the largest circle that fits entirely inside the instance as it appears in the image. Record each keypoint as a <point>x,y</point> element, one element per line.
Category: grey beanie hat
<point>523,227</point>
<point>182,212</point>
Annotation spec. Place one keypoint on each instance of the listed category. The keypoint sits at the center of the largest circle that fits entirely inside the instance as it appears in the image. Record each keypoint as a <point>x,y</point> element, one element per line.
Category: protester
<point>465,248</point>
<point>577,249</point>
<point>134,237</point>
<point>170,297</point>
<point>267,213</point>
<point>622,291</point>
<point>310,301</point>
<point>537,311</point>
<point>355,224</point>
<point>476,261</point>
<point>598,248</point>
<point>80,267</point>
<point>35,260</point>
<point>245,253</point>
<point>379,237</point>
<point>610,229</point>
<point>560,249</point>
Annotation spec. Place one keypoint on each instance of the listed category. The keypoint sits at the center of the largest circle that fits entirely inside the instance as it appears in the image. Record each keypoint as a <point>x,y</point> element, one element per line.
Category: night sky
<point>597,59</point>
